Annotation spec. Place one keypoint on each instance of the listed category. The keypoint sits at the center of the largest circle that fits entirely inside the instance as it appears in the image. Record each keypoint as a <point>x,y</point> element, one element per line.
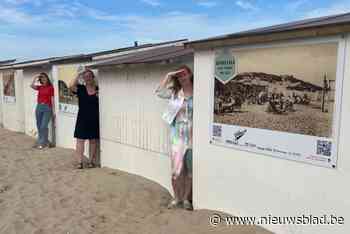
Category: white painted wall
<point>13,113</point>
<point>248,184</point>
<point>134,138</point>
<point>65,122</point>
<point>65,130</point>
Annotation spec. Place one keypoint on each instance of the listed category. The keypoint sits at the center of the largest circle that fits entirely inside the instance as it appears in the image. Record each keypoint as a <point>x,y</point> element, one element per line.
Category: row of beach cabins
<point>135,139</point>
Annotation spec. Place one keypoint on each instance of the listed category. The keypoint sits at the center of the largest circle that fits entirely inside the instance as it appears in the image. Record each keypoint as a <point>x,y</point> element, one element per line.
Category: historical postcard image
<point>68,102</point>
<point>290,89</point>
<point>9,87</point>
<point>279,101</point>
<point>9,84</point>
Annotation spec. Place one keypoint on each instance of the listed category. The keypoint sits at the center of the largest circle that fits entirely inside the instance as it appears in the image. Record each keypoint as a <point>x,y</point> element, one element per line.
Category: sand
<point>306,120</point>
<point>41,192</point>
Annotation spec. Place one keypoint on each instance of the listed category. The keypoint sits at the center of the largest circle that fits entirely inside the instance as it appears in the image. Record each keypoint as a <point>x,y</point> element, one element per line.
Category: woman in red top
<point>44,108</point>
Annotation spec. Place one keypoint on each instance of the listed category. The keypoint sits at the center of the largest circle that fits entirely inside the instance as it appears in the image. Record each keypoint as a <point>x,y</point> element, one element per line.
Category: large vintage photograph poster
<point>68,102</point>
<point>9,91</point>
<point>280,101</point>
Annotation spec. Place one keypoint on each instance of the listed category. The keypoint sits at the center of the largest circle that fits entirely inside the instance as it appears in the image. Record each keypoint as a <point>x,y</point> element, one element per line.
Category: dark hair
<point>176,83</point>
<point>43,74</point>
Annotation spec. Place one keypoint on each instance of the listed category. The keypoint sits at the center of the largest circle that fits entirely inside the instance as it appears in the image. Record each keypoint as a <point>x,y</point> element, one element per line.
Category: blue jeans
<point>43,115</point>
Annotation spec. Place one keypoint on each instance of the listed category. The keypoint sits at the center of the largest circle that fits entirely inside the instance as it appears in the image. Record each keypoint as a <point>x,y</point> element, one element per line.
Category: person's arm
<point>163,91</point>
<point>32,85</point>
<point>74,84</point>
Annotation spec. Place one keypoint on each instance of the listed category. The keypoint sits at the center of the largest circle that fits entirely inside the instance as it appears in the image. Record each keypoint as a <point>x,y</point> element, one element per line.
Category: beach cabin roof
<point>115,52</point>
<point>48,61</point>
<point>6,62</point>
<point>161,54</point>
<point>71,59</point>
<point>32,63</point>
<point>315,27</point>
<point>87,57</point>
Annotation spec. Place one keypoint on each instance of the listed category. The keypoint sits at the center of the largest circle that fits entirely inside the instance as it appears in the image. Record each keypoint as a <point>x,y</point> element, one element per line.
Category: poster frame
<point>340,76</point>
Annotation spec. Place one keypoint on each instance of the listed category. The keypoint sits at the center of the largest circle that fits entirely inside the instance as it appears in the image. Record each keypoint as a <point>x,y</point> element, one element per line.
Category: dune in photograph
<point>289,89</point>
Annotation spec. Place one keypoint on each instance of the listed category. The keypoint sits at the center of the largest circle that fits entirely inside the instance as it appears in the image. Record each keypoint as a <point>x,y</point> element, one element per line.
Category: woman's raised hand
<point>80,69</point>
<point>173,73</point>
<point>36,78</point>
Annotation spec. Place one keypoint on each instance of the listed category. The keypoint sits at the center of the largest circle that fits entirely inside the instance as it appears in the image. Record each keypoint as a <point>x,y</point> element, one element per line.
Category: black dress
<point>87,125</point>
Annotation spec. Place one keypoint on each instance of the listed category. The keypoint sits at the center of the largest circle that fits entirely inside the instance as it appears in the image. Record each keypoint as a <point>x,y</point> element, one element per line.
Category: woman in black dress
<point>87,124</point>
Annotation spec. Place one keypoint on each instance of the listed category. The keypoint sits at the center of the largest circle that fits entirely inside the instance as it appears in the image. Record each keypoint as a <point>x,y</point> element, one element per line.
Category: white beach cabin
<point>286,162</point>
<point>3,64</point>
<point>12,102</point>
<point>19,100</point>
<point>64,69</point>
<point>29,69</point>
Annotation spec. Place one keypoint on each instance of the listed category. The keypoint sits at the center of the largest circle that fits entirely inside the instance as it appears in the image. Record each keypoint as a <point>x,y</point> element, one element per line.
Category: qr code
<point>217,131</point>
<point>324,148</point>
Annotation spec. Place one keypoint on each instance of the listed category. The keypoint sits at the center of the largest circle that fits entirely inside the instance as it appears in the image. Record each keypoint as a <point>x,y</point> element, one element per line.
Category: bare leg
<point>178,185</point>
<point>93,150</point>
<point>80,146</point>
<point>187,202</point>
<point>188,181</point>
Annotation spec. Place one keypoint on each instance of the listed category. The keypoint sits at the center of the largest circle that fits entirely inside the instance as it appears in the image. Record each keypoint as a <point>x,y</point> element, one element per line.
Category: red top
<point>45,94</point>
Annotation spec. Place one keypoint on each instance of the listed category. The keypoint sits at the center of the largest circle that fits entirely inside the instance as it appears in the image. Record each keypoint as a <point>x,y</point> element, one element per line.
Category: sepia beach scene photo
<point>289,89</point>
<point>9,84</point>
<point>66,75</point>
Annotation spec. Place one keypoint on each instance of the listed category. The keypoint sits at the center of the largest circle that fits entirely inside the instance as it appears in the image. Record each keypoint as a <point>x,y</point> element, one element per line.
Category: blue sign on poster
<point>225,66</point>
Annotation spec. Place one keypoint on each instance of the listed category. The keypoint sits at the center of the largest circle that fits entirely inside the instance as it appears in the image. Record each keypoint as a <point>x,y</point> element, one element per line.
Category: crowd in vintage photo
<point>276,102</point>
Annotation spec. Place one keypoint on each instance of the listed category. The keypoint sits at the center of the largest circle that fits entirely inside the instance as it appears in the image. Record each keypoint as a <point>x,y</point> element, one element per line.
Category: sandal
<point>40,147</point>
<point>174,204</point>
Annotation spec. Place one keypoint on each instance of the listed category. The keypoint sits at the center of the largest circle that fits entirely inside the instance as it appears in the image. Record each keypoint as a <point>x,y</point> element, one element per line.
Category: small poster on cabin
<point>225,66</point>
<point>281,102</point>
<point>68,101</point>
<point>9,89</point>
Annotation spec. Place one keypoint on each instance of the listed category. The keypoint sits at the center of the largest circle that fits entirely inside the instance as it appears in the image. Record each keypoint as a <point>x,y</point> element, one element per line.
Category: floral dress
<point>180,129</point>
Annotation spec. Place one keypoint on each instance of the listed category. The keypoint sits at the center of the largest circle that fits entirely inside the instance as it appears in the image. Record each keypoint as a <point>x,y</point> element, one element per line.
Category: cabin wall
<point>249,184</point>
<point>134,138</point>
<point>65,122</point>
<point>13,112</point>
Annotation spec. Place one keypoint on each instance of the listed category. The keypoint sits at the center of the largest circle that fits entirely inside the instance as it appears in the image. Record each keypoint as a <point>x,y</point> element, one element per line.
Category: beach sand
<point>41,193</point>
